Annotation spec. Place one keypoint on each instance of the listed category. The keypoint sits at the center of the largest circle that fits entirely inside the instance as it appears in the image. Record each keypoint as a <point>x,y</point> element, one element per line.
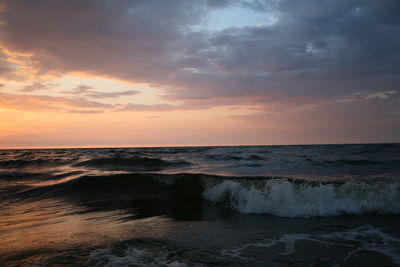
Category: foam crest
<point>132,257</point>
<point>361,239</point>
<point>286,198</point>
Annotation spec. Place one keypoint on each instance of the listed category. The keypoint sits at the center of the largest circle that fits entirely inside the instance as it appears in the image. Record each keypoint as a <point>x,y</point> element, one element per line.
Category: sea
<point>294,205</point>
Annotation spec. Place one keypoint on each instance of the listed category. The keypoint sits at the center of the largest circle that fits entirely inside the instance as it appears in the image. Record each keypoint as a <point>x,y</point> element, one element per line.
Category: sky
<point>109,73</point>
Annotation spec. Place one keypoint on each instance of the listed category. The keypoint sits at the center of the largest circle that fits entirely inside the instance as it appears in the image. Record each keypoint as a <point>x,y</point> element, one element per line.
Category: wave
<point>361,239</point>
<point>130,163</point>
<point>16,175</point>
<point>184,194</point>
<point>285,198</point>
<point>137,252</point>
<point>27,163</point>
<point>353,162</point>
<point>140,194</point>
<point>235,158</point>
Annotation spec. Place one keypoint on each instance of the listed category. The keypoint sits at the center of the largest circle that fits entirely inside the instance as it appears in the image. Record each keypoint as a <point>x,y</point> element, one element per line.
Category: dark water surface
<point>319,205</point>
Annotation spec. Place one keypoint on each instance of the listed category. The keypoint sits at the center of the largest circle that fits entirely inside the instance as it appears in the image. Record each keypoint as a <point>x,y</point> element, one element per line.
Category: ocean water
<point>314,205</point>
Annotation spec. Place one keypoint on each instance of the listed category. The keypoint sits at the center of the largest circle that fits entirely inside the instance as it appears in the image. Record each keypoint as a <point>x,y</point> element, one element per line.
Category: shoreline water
<point>201,206</point>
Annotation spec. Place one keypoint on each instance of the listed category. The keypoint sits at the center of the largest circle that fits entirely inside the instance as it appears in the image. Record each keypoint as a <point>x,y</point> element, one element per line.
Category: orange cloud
<point>46,103</point>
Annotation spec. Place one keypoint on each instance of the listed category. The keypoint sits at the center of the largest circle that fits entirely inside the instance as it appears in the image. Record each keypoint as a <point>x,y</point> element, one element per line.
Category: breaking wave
<point>255,195</point>
<point>135,253</point>
<point>361,239</point>
<point>285,198</point>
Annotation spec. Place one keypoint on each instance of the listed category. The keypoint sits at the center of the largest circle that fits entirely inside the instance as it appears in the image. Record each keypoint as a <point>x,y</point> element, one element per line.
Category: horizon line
<point>195,145</point>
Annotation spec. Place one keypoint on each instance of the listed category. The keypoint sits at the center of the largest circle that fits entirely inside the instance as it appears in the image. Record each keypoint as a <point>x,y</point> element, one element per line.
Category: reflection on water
<point>57,225</point>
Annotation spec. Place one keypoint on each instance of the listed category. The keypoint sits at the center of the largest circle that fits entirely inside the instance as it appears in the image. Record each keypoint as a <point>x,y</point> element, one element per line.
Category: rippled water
<point>201,206</point>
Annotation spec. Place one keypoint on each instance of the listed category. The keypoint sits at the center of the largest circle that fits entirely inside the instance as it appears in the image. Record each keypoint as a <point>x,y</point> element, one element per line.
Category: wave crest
<point>286,198</point>
<point>130,163</point>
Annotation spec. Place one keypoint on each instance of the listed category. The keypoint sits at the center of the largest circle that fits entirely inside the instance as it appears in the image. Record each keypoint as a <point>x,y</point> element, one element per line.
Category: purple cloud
<point>37,87</point>
<point>43,102</point>
<point>91,92</point>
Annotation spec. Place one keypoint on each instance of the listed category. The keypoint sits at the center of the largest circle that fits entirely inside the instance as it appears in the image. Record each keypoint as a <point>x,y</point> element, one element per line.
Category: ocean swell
<point>185,193</point>
<point>30,163</point>
<point>130,163</point>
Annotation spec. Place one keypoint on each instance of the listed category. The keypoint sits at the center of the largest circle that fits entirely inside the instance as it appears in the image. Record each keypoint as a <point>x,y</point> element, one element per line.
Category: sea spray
<point>286,198</point>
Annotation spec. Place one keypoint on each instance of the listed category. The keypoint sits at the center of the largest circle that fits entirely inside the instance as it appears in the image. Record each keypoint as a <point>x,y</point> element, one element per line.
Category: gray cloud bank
<point>315,48</point>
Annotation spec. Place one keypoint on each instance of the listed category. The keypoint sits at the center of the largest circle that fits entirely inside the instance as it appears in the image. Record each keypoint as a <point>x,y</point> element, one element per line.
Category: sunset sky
<point>200,72</point>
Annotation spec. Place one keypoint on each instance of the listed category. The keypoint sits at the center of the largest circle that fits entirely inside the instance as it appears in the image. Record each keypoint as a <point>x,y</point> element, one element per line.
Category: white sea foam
<point>285,198</point>
<point>133,257</point>
<point>365,238</point>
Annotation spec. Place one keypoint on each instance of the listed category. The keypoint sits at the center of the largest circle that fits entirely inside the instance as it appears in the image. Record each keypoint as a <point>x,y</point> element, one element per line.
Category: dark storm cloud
<point>320,48</point>
<point>132,40</point>
<point>316,49</point>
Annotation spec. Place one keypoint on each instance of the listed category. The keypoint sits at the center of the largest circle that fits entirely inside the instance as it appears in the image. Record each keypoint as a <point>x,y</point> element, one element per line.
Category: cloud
<point>112,94</point>
<point>131,40</point>
<point>91,111</point>
<point>361,121</point>
<point>45,103</point>
<point>7,68</point>
<point>156,107</point>
<point>187,105</point>
<point>321,69</point>
<point>81,89</point>
<point>37,87</point>
<point>386,96</point>
<point>314,51</point>
<point>381,95</point>
<point>152,117</point>
<point>321,48</point>
<point>91,92</point>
